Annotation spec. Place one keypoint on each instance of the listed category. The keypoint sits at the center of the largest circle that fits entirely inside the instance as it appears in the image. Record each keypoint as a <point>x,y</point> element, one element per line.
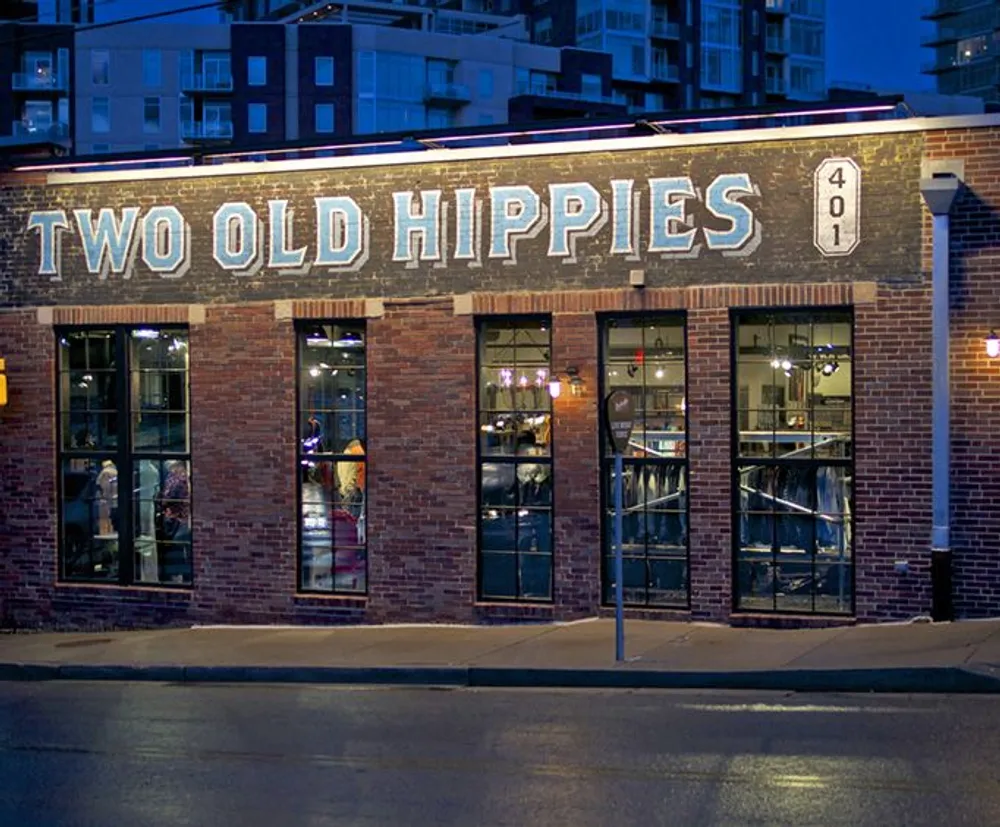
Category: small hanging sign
<point>620,416</point>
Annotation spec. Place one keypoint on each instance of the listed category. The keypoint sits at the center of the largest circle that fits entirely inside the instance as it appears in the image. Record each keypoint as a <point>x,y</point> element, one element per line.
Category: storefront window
<point>644,356</point>
<point>793,471</point>
<point>515,460</point>
<point>124,455</point>
<point>333,547</point>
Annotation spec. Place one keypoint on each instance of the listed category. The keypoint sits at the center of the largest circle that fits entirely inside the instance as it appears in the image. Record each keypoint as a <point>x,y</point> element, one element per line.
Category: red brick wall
<point>975,385</point>
<point>421,424</point>
<point>710,463</point>
<point>892,386</point>
<point>243,464</point>
<point>577,495</point>
<point>27,469</point>
<point>422,463</point>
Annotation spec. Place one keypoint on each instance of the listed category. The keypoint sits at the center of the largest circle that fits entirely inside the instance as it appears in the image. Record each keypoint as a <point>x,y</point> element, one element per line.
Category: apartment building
<point>965,43</point>
<point>332,70</point>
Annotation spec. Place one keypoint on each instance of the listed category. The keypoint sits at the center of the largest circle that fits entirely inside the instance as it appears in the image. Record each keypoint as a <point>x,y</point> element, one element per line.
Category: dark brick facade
<point>422,382</point>
<point>783,171</point>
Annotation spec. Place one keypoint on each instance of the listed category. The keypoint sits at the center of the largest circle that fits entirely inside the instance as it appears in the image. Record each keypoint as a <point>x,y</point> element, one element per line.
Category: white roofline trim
<point>430,156</point>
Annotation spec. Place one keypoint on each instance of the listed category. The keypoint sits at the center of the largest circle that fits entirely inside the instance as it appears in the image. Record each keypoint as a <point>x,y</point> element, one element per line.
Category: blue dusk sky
<point>877,42</point>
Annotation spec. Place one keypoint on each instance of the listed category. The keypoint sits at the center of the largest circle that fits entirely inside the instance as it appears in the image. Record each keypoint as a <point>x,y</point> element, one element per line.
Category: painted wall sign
<point>429,227</point>
<point>779,211</point>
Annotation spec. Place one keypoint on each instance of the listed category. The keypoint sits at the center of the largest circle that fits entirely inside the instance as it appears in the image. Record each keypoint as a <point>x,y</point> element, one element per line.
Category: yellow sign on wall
<point>3,383</point>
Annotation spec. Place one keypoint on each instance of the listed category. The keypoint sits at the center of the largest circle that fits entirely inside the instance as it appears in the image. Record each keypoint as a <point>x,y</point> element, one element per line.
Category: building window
<point>324,117</point>
<point>486,84</point>
<point>152,70</point>
<point>100,115</point>
<point>645,357</point>
<point>793,467</point>
<point>124,455</point>
<point>324,68</point>
<point>256,71</point>
<point>100,65</point>
<point>543,30</point>
<point>151,115</point>
<point>515,460</point>
<point>592,86</point>
<point>257,117</point>
<point>440,117</point>
<point>331,406</point>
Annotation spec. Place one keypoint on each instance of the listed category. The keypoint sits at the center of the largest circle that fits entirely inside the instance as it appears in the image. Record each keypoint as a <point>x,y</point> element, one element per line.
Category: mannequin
<point>350,474</point>
<point>351,487</point>
<point>107,499</point>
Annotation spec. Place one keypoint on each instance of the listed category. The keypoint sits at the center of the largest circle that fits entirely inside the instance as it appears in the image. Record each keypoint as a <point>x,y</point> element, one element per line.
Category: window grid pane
<point>793,469</point>
<point>108,378</point>
<point>645,357</point>
<point>333,554</point>
<point>515,460</point>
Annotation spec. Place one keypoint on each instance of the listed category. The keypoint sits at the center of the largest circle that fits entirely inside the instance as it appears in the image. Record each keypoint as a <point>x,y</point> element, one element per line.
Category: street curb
<point>945,679</point>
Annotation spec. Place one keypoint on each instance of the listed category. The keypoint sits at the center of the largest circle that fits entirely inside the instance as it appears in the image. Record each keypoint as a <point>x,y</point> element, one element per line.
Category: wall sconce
<point>993,345</point>
<point>572,376</point>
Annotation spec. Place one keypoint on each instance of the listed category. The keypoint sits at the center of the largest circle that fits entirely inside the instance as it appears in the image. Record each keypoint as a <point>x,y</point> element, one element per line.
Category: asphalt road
<point>144,755</point>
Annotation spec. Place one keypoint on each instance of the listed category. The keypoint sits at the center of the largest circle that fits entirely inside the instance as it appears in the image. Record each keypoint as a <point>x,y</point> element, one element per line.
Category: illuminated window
<point>793,469</point>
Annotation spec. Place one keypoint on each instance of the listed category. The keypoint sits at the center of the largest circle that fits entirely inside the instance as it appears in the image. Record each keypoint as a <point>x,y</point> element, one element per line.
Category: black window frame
<point>481,324</point>
<point>811,463</point>
<point>606,462</point>
<point>126,456</point>
<point>303,455</point>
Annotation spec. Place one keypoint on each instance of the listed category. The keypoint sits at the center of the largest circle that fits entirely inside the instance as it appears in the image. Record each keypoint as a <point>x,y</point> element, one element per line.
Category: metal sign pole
<point>619,596</point>
<point>620,416</point>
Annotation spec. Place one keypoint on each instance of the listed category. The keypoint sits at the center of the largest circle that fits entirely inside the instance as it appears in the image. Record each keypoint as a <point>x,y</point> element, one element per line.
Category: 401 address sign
<point>837,207</point>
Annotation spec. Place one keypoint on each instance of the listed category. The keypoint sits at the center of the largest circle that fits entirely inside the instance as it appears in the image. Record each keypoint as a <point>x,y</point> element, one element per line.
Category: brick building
<point>368,388</point>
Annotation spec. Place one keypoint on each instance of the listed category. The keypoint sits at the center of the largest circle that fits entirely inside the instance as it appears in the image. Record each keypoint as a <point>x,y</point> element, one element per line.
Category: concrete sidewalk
<point>919,657</point>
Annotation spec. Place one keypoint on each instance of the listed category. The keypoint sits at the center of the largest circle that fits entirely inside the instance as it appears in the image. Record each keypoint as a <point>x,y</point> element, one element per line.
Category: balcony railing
<point>946,64</point>
<point>51,132</point>
<point>206,83</point>
<point>778,6</point>
<point>457,93</point>
<point>942,8</point>
<point>206,131</point>
<point>666,71</point>
<point>39,81</point>
<point>557,94</point>
<point>775,86</point>
<point>665,29</point>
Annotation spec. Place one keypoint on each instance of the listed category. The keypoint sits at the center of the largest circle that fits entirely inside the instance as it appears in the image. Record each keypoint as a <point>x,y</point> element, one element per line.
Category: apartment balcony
<point>778,6</point>
<point>39,82</point>
<point>559,95</point>
<point>943,8</point>
<point>778,45</point>
<point>456,94</point>
<point>206,84</point>
<point>665,29</point>
<point>775,86</point>
<point>206,131</point>
<point>666,71</point>
<point>943,36</point>
<point>947,64</point>
<point>48,132</point>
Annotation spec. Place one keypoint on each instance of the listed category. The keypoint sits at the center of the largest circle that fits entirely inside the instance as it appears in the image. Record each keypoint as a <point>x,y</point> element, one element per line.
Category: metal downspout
<point>940,425</point>
<point>939,194</point>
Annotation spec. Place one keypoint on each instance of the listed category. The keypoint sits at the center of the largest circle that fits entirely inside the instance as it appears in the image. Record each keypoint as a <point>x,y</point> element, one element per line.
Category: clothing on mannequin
<point>350,474</point>
<point>107,499</point>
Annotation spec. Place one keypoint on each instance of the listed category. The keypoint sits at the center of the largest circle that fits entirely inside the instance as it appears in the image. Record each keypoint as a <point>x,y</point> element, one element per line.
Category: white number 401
<point>837,207</point>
